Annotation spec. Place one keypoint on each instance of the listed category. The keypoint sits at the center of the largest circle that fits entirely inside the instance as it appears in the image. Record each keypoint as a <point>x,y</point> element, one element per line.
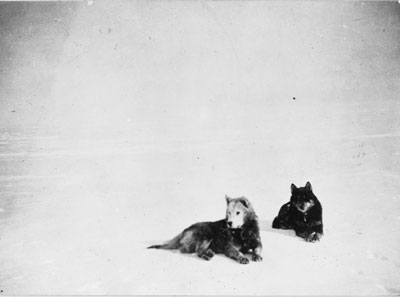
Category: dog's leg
<point>233,253</point>
<point>206,255</point>
<point>310,235</point>
<point>203,250</point>
<point>313,236</point>
<point>257,254</point>
<point>303,234</point>
<point>187,243</point>
<point>315,232</point>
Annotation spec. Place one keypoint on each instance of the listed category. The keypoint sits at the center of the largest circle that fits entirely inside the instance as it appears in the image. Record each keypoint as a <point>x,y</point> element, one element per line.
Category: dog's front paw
<point>256,258</point>
<point>243,260</point>
<point>313,237</point>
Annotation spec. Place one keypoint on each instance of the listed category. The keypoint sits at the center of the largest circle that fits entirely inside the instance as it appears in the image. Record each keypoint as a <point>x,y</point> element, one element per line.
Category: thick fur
<point>209,238</point>
<point>303,214</point>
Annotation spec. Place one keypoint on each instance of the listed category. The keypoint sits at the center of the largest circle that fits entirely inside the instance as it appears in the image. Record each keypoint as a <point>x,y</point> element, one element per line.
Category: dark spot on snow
<point>294,98</point>
<point>12,110</point>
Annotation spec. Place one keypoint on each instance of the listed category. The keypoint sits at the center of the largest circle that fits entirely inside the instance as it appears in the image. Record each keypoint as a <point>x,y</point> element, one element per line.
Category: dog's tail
<point>173,244</point>
<point>156,246</point>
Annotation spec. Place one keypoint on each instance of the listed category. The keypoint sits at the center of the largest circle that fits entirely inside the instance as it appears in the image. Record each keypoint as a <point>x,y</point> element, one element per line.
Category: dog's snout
<point>230,224</point>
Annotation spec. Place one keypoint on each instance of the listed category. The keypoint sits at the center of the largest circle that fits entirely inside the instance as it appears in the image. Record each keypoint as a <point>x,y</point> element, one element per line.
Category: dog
<point>233,236</point>
<point>303,214</point>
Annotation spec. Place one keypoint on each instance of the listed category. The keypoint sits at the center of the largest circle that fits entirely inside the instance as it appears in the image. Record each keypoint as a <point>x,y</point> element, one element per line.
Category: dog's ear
<point>293,188</point>
<point>244,201</point>
<point>308,186</point>
<point>228,199</point>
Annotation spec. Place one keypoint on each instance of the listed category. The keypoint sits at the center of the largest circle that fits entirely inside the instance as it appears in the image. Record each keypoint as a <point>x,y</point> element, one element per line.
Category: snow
<point>86,229</point>
<point>119,141</point>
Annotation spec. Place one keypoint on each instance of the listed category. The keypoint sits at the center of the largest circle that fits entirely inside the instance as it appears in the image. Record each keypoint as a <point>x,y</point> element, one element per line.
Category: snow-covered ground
<point>145,114</point>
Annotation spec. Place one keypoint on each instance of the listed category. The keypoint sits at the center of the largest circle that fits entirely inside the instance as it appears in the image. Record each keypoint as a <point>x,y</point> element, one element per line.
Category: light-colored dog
<point>233,236</point>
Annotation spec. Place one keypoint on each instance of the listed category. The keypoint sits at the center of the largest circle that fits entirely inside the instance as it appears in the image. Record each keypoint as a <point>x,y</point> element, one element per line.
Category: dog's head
<point>237,211</point>
<point>302,198</point>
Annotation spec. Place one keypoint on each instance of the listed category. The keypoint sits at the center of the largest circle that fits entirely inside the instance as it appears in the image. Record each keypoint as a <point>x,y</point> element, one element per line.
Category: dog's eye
<point>238,212</point>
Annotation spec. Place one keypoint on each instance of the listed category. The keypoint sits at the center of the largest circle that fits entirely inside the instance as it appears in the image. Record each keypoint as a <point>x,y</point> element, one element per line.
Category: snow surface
<point>145,114</point>
<point>81,224</point>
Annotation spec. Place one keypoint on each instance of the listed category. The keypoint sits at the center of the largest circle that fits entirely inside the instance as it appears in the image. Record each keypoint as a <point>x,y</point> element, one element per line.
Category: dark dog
<point>233,236</point>
<point>303,214</point>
